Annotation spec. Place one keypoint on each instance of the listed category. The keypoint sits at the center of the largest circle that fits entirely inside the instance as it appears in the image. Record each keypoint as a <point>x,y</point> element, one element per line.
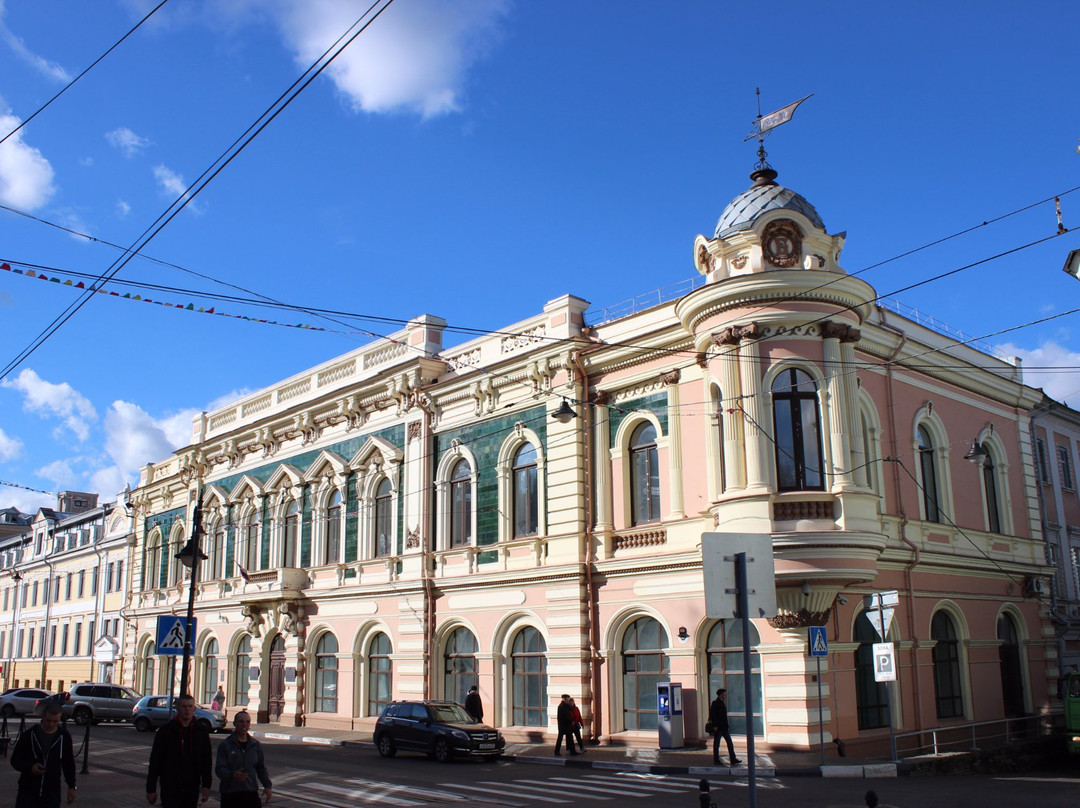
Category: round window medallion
<point>782,243</point>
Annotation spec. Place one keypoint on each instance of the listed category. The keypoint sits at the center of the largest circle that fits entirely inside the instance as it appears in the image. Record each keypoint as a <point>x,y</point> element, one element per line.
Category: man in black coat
<point>473,705</point>
<point>718,719</point>
<point>41,754</point>
<point>181,760</point>
<point>565,716</point>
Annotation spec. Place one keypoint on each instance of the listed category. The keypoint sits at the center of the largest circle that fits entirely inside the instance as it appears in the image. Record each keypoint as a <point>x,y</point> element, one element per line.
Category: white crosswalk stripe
<point>501,791</point>
<point>640,785</point>
<point>546,788</point>
<point>571,785</point>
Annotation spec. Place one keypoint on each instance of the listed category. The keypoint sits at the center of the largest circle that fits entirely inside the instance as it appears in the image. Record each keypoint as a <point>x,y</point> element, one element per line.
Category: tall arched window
<point>725,666</point>
<point>1012,680</point>
<point>290,539</point>
<point>460,664</point>
<point>242,671</point>
<point>950,702</point>
<point>871,698</point>
<point>384,528</point>
<point>217,552</point>
<point>380,674</point>
<point>148,670</point>
<point>928,470</point>
<point>525,503</point>
<point>718,428</point>
<point>644,476</point>
<point>326,674</point>
<point>993,508</point>
<point>644,663</point>
<point>797,428</point>
<point>528,661</point>
<point>251,542</point>
<point>210,672</point>
<point>152,578</point>
<point>461,505</point>
<point>332,537</point>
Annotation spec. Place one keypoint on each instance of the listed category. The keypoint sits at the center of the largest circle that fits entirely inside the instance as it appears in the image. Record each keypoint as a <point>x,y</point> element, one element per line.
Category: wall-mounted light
<point>1072,264</point>
<point>977,455</point>
<point>841,599</point>
<point>684,635</point>
<point>806,589</point>
<point>565,414</point>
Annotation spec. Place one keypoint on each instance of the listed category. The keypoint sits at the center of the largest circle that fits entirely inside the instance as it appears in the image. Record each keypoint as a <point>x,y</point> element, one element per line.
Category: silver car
<point>21,700</point>
<point>153,711</point>
<point>100,701</point>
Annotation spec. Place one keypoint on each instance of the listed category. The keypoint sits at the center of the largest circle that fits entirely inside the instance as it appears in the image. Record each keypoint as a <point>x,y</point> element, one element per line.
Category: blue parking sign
<point>172,634</point>
<point>819,641</point>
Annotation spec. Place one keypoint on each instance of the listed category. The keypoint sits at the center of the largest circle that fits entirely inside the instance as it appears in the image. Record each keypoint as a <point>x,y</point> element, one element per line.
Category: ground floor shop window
<point>460,665</point>
<point>644,663</point>
<point>529,666</point>
<point>725,666</point>
<point>380,674</point>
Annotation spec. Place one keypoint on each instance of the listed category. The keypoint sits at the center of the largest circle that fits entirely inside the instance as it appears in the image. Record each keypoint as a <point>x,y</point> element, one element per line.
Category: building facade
<point>525,511</point>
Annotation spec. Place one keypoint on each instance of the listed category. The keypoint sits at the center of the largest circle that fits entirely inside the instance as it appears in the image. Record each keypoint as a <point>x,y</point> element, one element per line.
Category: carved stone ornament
<point>705,260</point>
<point>781,243</point>
<point>799,619</point>
<point>739,261</point>
<point>414,430</point>
<point>670,377</point>
<point>412,538</point>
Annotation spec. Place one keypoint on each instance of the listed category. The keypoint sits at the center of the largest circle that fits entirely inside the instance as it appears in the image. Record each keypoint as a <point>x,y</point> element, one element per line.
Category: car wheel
<point>204,724</point>
<point>441,750</point>
<point>8,711</point>
<point>385,745</point>
<point>83,716</point>
<point>142,723</point>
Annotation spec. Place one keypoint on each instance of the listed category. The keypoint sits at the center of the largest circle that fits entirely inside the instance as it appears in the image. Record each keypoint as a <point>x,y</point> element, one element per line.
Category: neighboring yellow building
<point>63,595</point>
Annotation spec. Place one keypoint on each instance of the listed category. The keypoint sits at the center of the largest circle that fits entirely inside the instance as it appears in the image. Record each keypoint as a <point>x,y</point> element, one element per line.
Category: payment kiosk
<point>669,707</point>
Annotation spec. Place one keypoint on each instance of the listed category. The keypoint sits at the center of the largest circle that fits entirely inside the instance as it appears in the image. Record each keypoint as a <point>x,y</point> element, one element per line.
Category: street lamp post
<point>9,669</point>
<point>190,557</point>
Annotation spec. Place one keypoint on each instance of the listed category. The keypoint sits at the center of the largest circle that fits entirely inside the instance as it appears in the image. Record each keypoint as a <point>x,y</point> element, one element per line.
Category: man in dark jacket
<point>473,705</point>
<point>718,719</point>
<point>239,763</point>
<point>565,716</point>
<point>41,754</point>
<point>181,760</point>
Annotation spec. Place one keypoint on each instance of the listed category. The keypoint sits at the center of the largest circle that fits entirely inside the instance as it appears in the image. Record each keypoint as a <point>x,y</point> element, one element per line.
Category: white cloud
<point>60,473</point>
<point>10,448</point>
<point>55,400</point>
<point>127,141</point>
<point>18,47</point>
<point>26,501</point>
<point>412,58</point>
<point>122,208</point>
<point>134,438</point>
<point>26,178</point>
<point>173,185</point>
<point>1052,367</point>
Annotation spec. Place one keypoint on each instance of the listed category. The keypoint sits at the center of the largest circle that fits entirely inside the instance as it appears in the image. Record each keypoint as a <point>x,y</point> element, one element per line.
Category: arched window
<point>460,665</point>
<point>797,428</point>
<point>950,702</point>
<point>993,508</point>
<point>871,698</point>
<point>384,528</point>
<point>251,542</point>
<point>525,502</point>
<point>290,539</point>
<point>725,666</point>
<point>1012,680</point>
<point>326,674</point>
<point>644,663</point>
<point>380,674</point>
<point>152,578</point>
<point>332,538</point>
<point>210,672</point>
<point>928,470</point>
<point>528,661</point>
<point>644,476</point>
<point>217,552</point>
<point>241,671</point>
<point>718,429</point>
<point>149,666</point>
<point>461,505</point>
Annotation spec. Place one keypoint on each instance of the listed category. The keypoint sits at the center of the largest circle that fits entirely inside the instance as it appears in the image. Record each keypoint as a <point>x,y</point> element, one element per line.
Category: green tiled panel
<point>164,521</point>
<point>305,530</point>
<point>352,521</point>
<point>264,556</point>
<point>484,439</point>
<point>657,404</point>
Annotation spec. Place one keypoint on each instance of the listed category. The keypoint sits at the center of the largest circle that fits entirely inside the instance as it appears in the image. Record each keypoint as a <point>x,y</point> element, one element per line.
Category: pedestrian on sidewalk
<point>473,705</point>
<point>241,767</point>
<point>41,755</point>
<point>219,700</point>
<point>579,722</point>
<point>718,721</point>
<point>181,760</point>
<point>565,720</point>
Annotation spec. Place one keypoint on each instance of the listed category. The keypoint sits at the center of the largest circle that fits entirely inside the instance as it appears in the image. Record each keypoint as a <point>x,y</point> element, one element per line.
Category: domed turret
<point>761,197</point>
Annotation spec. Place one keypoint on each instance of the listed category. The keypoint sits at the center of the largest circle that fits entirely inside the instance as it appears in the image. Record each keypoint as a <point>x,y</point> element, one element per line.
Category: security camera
<point>841,600</point>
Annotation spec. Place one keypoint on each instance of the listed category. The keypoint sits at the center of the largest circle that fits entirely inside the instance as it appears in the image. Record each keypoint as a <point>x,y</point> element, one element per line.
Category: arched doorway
<point>276,699</point>
<point>1012,678</point>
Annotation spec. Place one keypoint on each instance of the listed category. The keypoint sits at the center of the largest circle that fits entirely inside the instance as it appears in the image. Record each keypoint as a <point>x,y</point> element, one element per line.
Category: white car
<point>21,700</point>
<point>153,711</point>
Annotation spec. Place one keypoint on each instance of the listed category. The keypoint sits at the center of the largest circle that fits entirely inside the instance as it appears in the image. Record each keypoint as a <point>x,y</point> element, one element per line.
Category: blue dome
<point>760,198</point>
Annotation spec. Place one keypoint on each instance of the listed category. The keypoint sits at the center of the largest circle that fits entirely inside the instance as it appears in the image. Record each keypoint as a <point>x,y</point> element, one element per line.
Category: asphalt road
<point>344,777</point>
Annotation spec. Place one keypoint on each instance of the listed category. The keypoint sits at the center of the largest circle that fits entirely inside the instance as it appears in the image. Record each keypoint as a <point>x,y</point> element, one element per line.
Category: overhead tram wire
<point>92,65</point>
<point>256,128</point>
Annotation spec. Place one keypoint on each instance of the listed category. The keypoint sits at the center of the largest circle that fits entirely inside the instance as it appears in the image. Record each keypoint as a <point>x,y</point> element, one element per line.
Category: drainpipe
<point>427,522</point>
<point>898,492</point>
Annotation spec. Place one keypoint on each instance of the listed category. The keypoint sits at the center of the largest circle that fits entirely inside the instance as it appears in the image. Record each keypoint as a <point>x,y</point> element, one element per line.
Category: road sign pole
<point>888,689</point>
<point>820,712</point>
<point>744,613</point>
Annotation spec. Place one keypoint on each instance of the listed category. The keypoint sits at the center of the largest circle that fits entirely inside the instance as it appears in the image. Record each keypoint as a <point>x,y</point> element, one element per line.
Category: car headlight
<point>461,734</point>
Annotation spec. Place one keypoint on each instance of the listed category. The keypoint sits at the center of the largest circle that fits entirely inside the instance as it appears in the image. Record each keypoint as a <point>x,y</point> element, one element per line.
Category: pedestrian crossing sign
<point>819,641</point>
<point>172,634</point>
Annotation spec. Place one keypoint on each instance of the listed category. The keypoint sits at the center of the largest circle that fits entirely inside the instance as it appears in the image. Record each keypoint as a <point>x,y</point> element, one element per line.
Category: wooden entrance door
<point>277,679</point>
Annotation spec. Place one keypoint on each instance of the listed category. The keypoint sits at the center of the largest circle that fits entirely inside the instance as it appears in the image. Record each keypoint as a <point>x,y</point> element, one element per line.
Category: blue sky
<point>474,159</point>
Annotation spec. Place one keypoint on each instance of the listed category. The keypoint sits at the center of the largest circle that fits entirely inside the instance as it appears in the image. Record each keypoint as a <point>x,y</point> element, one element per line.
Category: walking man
<point>473,705</point>
<point>719,720</point>
<point>41,755</point>
<point>579,723</point>
<point>181,760</point>
<point>565,716</point>
<point>239,763</point>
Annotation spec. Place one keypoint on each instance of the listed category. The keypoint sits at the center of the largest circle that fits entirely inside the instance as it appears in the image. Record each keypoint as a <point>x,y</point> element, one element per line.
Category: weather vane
<point>764,124</point>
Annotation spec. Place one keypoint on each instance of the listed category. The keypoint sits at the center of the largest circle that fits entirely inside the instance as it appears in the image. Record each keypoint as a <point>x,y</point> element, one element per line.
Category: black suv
<point>442,729</point>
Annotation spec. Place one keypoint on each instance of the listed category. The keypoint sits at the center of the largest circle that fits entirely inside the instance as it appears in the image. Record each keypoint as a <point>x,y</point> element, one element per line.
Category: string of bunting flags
<point>25,487</point>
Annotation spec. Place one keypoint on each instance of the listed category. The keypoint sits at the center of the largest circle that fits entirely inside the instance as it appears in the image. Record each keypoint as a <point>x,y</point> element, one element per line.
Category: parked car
<point>21,700</point>
<point>152,712</point>
<point>441,729</point>
<point>91,702</point>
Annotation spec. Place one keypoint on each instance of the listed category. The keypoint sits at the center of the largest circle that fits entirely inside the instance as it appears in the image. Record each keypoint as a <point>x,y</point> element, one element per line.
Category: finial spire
<point>763,173</point>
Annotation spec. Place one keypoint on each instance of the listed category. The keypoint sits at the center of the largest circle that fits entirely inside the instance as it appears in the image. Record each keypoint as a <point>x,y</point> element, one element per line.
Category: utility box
<point>669,708</point>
